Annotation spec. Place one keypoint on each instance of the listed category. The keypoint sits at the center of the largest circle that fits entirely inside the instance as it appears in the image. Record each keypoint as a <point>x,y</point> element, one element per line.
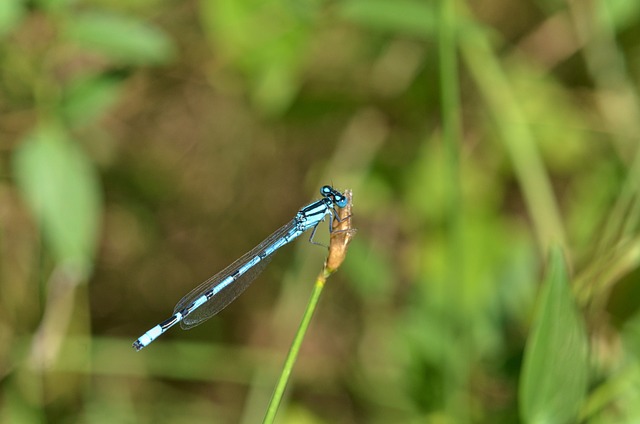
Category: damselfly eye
<point>340,200</point>
<point>326,190</point>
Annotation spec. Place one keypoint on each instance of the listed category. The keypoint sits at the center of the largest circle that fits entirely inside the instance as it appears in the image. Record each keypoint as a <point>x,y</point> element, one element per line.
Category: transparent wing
<point>228,294</point>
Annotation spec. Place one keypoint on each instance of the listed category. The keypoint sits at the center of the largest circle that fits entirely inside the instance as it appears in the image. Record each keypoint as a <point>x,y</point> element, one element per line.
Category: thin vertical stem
<point>276,398</point>
<point>340,239</point>
<point>451,132</point>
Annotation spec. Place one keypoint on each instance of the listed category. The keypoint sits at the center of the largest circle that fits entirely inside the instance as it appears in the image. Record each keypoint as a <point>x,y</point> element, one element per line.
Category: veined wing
<point>223,288</point>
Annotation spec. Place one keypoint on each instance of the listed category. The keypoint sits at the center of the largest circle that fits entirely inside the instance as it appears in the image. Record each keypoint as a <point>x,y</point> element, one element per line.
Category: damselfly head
<point>338,198</point>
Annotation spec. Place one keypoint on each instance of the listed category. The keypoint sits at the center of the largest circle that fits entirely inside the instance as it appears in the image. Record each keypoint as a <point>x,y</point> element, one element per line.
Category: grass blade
<point>554,379</point>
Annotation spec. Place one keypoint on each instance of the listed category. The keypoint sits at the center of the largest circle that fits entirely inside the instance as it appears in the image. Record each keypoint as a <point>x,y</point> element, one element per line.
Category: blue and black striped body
<point>217,292</point>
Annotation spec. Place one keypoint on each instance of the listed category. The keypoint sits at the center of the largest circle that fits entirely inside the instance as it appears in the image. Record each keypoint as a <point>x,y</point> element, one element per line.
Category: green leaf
<point>410,17</point>
<point>11,13</point>
<point>276,82</point>
<point>120,38</point>
<point>87,100</point>
<point>554,378</point>
<point>270,58</point>
<point>62,190</point>
<point>621,14</point>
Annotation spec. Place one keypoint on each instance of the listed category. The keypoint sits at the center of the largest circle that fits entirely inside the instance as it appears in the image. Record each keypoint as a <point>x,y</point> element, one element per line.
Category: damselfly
<point>217,292</point>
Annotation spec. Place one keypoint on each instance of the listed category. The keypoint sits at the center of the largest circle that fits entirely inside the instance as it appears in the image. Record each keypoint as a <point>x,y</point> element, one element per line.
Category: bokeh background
<point>145,145</point>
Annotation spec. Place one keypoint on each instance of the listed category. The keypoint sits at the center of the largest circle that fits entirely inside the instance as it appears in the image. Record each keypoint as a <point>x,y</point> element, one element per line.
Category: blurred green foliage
<point>554,377</point>
<point>492,149</point>
<point>49,167</point>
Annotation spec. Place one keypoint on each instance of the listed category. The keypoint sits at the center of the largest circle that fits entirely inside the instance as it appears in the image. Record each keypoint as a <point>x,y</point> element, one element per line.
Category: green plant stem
<point>493,82</point>
<point>340,238</point>
<point>276,398</point>
<point>456,376</point>
<point>451,120</point>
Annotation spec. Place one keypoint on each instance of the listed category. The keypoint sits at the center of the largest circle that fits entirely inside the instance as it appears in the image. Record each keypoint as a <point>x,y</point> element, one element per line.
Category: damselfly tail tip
<point>138,346</point>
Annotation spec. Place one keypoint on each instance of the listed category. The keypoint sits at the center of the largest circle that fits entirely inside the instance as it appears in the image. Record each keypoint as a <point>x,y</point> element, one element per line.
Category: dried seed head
<point>341,236</point>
